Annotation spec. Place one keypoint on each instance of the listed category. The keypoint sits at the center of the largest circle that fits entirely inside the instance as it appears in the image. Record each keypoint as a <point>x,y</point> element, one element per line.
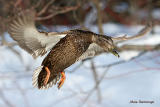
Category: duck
<point>65,48</point>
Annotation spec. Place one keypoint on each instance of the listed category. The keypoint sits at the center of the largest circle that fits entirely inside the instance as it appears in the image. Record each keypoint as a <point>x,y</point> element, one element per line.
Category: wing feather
<point>22,29</point>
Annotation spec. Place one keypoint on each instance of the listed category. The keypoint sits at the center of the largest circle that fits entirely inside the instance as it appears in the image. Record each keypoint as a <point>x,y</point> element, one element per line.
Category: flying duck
<point>65,48</point>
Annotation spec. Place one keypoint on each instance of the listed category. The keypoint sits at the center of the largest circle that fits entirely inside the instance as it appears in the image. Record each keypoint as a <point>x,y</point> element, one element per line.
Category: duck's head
<point>106,43</point>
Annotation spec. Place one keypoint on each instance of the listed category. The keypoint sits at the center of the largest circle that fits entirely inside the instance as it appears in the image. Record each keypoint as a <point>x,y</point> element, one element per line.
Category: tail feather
<point>35,76</point>
<point>38,79</point>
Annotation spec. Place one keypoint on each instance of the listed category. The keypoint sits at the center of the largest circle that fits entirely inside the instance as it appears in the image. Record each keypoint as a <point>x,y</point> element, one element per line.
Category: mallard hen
<point>65,48</point>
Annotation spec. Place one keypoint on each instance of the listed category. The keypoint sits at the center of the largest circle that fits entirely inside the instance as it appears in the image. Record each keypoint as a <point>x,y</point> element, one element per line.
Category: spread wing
<point>22,29</point>
<point>92,51</point>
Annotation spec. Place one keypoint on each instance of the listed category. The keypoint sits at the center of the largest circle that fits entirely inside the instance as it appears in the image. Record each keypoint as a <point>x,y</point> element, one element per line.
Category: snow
<point>122,83</point>
<point>127,55</point>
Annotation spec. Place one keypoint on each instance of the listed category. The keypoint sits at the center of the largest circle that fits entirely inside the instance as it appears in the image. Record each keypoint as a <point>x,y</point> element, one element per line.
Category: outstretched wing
<point>92,51</point>
<point>22,29</point>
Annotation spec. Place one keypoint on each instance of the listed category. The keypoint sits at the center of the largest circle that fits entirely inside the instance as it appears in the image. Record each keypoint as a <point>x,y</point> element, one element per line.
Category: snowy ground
<point>133,80</point>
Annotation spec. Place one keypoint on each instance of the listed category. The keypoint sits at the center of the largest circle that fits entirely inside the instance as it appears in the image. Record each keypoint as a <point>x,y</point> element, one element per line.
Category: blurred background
<point>102,81</point>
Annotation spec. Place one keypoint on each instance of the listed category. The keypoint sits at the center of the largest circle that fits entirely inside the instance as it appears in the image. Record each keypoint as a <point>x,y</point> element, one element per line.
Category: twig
<point>104,74</point>
<point>64,10</point>
<point>18,2</point>
<point>140,34</point>
<point>134,71</point>
<point>121,62</point>
<point>77,67</point>
<point>37,4</point>
<point>139,47</point>
<point>4,99</point>
<point>96,80</point>
<point>45,8</point>
<point>62,99</point>
<point>99,15</point>
<point>100,80</point>
<point>22,93</point>
<point>10,46</point>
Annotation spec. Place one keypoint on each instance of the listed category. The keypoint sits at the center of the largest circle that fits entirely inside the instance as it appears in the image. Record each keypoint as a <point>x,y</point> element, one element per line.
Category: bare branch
<point>22,93</point>
<point>76,68</point>
<point>139,47</point>
<point>8,44</point>
<point>38,4</point>
<point>5,99</point>
<point>100,80</point>
<point>45,8</point>
<point>17,3</point>
<point>64,10</point>
<point>99,15</point>
<point>140,34</point>
<point>96,81</point>
<point>63,98</point>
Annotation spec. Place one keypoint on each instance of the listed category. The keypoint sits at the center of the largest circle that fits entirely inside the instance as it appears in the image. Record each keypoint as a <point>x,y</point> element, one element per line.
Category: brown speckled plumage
<point>65,53</point>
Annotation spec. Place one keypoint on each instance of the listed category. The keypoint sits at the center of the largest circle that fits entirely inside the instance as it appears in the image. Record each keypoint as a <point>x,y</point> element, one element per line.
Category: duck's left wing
<point>22,29</point>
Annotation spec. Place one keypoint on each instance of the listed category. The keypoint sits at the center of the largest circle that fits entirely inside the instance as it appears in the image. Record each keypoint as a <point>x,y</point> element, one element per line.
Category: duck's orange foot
<point>63,78</point>
<point>47,76</point>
